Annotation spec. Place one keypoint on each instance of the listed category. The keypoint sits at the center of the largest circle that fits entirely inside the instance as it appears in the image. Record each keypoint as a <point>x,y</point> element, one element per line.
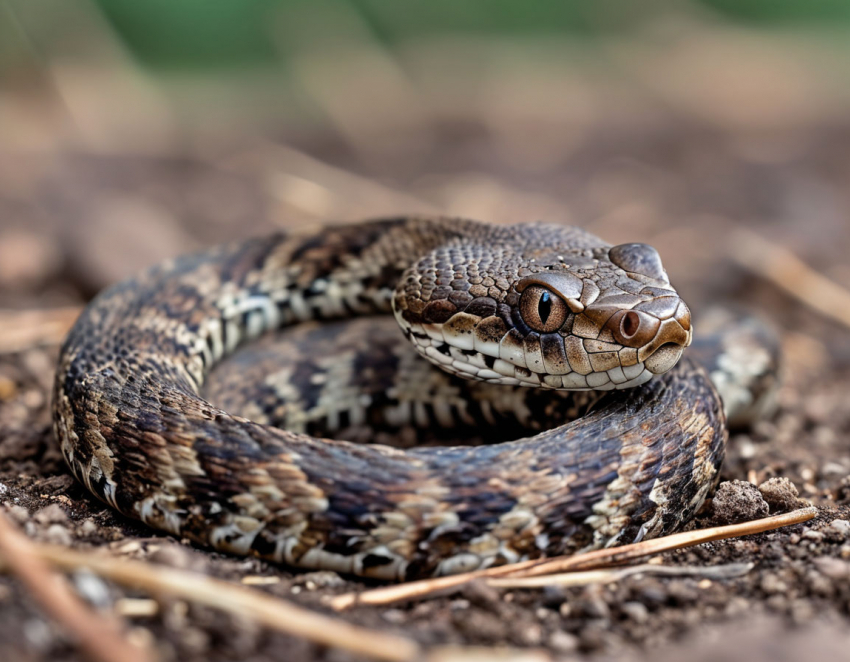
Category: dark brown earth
<point>72,221</point>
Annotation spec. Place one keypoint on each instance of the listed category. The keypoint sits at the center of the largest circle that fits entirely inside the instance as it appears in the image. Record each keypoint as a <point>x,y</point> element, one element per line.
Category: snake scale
<point>624,439</point>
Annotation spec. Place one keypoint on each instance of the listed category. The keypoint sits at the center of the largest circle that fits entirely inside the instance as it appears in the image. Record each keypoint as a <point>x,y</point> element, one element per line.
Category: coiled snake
<point>546,306</point>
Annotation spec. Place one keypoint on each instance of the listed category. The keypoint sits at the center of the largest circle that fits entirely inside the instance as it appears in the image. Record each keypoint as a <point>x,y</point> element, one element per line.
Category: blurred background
<point>131,131</point>
<point>717,130</point>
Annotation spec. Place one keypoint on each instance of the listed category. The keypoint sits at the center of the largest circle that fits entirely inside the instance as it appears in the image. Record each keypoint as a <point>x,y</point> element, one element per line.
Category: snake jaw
<point>618,341</point>
<point>488,349</point>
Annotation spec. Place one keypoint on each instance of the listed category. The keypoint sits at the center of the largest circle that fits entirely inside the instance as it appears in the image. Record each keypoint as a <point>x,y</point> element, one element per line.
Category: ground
<point>75,220</point>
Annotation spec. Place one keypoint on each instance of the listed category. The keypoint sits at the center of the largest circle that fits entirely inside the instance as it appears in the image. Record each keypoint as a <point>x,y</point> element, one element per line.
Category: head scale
<point>587,317</point>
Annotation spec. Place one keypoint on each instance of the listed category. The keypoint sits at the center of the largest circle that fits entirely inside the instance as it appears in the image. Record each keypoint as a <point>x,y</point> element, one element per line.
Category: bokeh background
<point>130,131</point>
<point>717,130</point>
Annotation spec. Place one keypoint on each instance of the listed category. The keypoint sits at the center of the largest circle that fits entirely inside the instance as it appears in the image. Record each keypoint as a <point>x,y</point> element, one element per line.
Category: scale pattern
<point>135,428</point>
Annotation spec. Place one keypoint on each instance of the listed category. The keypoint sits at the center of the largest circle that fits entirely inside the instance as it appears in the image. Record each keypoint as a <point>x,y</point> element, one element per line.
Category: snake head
<point>582,318</point>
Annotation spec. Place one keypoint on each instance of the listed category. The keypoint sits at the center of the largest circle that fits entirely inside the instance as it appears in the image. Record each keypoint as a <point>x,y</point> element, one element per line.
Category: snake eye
<point>541,310</point>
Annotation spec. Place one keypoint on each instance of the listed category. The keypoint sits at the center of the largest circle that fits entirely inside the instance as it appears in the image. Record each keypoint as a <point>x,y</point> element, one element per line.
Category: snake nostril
<point>632,328</point>
<point>630,324</point>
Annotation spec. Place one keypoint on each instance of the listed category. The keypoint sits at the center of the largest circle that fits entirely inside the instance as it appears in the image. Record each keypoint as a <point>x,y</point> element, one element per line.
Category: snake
<point>209,397</point>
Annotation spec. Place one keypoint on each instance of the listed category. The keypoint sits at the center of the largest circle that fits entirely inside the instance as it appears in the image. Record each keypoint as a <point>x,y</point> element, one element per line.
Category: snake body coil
<point>546,306</point>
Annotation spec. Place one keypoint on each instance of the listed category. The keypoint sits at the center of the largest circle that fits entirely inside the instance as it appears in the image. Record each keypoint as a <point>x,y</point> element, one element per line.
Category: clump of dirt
<point>738,501</point>
<point>781,495</point>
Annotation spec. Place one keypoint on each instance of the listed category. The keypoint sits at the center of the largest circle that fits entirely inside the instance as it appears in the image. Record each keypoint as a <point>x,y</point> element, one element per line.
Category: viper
<point>171,408</point>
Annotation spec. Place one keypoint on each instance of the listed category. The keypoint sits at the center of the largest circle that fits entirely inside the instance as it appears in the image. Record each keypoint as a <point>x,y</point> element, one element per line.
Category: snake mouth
<point>621,349</point>
<point>664,358</point>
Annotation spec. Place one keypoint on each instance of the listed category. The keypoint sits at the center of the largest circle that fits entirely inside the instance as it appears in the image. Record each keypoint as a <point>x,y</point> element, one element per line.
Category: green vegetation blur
<point>215,33</point>
<point>373,70</point>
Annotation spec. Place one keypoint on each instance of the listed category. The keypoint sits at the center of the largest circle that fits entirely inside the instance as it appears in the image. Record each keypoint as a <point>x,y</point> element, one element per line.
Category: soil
<point>74,221</point>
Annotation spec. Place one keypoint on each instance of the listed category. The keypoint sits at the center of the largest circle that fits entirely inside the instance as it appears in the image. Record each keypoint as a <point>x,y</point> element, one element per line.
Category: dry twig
<point>609,575</point>
<point>265,609</point>
<point>231,598</point>
<point>588,561</point>
<point>788,272</point>
<point>97,635</point>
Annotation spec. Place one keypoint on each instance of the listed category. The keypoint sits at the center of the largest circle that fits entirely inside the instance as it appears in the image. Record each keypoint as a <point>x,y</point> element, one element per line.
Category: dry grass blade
<point>262,608</point>
<point>609,575</point>
<point>231,598</point>
<point>98,636</point>
<point>485,654</point>
<point>788,272</point>
<point>615,555</point>
<point>323,191</point>
<point>588,561</point>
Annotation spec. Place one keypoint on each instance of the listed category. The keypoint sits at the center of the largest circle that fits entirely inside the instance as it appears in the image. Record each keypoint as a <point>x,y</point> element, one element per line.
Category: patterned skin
<point>540,305</point>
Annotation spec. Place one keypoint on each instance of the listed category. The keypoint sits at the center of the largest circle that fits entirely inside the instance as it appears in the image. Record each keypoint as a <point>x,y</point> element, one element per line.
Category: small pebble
<point>636,611</point>
<point>737,605</point>
<point>459,604</point>
<point>482,595</point>
<point>553,596</point>
<point>563,642</point>
<point>528,634</point>
<point>832,568</point>
<point>52,514</point>
<point>593,637</point>
<point>194,639</point>
<point>682,592</point>
<point>92,589</point>
<point>19,514</point>
<point>842,493</point>
<point>88,528</point>
<point>833,469</point>
<point>320,579</point>
<point>802,611</point>
<point>141,637</point>
<point>394,616</point>
<point>816,536</point>
<point>840,528</point>
<point>58,535</point>
<point>38,634</point>
<point>652,592</point>
<point>771,584</point>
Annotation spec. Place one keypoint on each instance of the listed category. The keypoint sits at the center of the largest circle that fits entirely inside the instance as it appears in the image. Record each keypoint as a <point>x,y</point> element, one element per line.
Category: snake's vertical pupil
<point>544,308</point>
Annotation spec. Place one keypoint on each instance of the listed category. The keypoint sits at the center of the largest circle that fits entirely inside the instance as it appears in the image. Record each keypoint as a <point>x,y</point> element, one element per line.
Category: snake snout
<point>674,333</point>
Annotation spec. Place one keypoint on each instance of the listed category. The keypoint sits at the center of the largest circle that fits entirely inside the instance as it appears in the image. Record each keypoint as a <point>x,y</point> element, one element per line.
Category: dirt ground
<point>72,221</point>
